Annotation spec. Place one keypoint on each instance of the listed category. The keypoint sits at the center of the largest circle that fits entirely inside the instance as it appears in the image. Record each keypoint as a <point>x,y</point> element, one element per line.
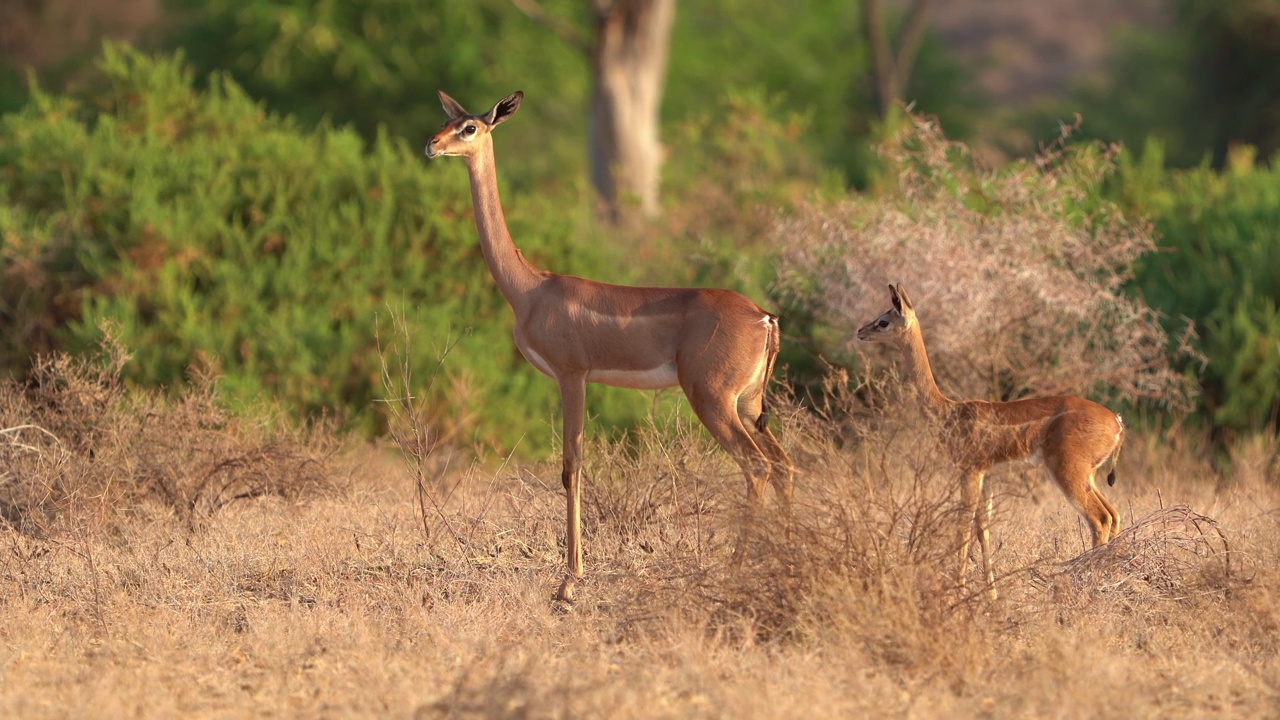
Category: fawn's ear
<point>904,299</point>
<point>505,108</point>
<point>452,107</point>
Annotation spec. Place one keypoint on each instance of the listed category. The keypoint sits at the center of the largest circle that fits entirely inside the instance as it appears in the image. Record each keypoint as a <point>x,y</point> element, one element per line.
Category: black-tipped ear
<point>505,108</point>
<point>452,107</point>
<point>893,295</point>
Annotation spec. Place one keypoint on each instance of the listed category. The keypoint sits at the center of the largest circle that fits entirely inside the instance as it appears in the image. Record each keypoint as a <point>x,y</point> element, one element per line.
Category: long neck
<point>514,275</point>
<point>920,373</point>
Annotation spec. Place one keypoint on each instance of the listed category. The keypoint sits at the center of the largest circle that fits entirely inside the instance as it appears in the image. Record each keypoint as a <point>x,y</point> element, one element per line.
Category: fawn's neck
<point>920,373</point>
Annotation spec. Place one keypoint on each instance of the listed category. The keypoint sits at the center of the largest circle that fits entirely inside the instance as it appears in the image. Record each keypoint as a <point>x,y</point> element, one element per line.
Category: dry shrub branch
<point>411,425</point>
<point>1018,273</point>
<point>880,519</point>
<point>77,445</point>
<point>1169,553</point>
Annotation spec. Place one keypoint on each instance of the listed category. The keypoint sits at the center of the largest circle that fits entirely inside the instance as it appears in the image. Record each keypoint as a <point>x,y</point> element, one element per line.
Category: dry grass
<point>333,599</point>
<point>78,449</point>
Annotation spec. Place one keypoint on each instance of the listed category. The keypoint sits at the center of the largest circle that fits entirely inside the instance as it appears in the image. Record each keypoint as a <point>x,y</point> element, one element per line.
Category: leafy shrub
<point>1202,83</point>
<point>376,64</point>
<point>816,63</point>
<point>731,168</point>
<point>1216,266</point>
<point>1236,79</point>
<point>1147,93</point>
<point>1018,275</point>
<point>209,228</point>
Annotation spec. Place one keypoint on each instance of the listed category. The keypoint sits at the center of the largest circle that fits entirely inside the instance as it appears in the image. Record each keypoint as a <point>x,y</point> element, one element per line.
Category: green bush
<point>1217,266</point>
<point>1200,83</point>
<point>207,227</point>
<point>816,63</point>
<point>376,65</point>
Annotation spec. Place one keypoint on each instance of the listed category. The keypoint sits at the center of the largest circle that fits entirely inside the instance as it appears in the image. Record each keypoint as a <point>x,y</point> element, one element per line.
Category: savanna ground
<point>166,557</point>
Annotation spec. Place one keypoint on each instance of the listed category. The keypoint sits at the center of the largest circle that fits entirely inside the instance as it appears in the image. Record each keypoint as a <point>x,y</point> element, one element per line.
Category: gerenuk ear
<point>452,107</point>
<point>505,108</point>
<point>906,300</point>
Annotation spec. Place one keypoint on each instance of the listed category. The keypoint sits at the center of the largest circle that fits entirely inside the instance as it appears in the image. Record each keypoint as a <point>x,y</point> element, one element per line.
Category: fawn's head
<point>895,323</point>
<point>466,134</point>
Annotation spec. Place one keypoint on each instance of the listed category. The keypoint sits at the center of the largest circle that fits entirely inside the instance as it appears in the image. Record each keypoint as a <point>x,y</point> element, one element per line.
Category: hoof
<point>565,594</point>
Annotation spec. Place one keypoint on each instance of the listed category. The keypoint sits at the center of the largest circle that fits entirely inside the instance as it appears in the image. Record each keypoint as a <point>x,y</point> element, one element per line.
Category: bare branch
<point>892,71</point>
<point>882,62</point>
<point>909,43</point>
<point>562,28</point>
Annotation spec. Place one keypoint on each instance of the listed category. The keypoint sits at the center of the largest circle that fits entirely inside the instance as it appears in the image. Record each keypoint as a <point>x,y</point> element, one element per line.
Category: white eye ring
<point>469,130</point>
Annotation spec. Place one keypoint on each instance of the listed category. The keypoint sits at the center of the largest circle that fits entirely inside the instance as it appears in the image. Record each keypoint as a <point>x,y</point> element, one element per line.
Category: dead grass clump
<point>881,522</point>
<point>897,524</point>
<point>517,682</point>
<point>1169,554</point>
<point>77,445</point>
<point>665,488</point>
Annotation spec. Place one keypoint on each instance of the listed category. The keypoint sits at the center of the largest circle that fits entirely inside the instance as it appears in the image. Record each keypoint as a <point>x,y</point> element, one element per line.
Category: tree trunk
<point>893,70</point>
<point>629,54</point>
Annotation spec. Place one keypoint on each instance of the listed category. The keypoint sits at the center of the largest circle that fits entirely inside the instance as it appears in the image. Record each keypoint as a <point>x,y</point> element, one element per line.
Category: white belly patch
<point>536,360</point>
<point>662,376</point>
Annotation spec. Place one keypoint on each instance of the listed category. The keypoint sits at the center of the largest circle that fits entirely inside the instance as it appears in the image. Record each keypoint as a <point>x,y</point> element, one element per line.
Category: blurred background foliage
<point>243,180</point>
